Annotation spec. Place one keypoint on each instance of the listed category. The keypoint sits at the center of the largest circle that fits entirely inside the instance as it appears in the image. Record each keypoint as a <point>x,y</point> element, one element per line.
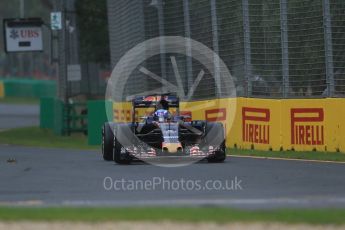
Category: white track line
<point>218,202</point>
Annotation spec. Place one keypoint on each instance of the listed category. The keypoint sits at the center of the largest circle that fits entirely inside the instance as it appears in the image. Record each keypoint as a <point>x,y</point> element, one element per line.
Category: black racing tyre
<point>119,154</point>
<point>107,141</point>
<point>219,156</point>
<point>214,135</point>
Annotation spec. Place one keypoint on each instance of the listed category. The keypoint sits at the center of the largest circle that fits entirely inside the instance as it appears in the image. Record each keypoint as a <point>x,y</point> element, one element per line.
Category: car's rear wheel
<point>107,141</point>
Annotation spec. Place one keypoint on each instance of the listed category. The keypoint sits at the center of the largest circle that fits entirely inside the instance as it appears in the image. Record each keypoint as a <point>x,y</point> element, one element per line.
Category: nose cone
<point>172,147</point>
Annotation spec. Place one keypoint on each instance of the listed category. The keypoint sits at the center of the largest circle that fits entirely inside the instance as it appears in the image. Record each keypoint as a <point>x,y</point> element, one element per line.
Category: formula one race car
<point>162,134</point>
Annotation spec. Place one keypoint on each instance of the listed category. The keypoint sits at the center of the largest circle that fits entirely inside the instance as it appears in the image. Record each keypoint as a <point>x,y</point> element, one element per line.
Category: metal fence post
<point>285,47</point>
<point>62,64</point>
<point>328,48</point>
<point>247,49</point>
<point>73,33</point>
<point>162,41</point>
<point>142,21</point>
<point>186,14</point>
<point>215,40</point>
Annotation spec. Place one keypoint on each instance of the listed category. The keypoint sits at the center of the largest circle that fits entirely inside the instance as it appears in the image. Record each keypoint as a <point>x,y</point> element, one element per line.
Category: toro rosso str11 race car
<point>163,134</point>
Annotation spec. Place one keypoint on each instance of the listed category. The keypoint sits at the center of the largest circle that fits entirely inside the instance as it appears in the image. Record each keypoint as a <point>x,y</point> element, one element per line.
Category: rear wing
<point>152,101</point>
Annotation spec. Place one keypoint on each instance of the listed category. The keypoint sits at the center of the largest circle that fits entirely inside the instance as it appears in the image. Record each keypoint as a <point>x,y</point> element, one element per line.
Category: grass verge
<point>313,155</point>
<point>20,100</point>
<point>219,215</point>
<point>34,136</point>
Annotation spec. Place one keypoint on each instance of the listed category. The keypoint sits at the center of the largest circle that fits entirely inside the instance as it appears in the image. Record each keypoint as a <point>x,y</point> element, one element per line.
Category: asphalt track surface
<point>73,178</point>
<point>56,177</point>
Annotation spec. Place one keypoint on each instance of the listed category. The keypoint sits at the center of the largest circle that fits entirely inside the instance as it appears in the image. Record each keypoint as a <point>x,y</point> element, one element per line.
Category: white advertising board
<point>21,37</point>
<point>73,73</point>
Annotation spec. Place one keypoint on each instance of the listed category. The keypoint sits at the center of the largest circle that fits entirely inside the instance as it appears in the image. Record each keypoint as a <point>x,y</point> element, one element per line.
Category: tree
<point>93,26</point>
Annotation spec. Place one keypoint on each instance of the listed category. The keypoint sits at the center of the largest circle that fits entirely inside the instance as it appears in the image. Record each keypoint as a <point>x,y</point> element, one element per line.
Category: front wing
<point>143,152</point>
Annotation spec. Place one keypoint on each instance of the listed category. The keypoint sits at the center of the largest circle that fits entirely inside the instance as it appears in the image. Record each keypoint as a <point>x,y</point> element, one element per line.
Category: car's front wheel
<point>120,155</point>
<point>215,136</point>
<point>219,155</point>
<point>107,141</point>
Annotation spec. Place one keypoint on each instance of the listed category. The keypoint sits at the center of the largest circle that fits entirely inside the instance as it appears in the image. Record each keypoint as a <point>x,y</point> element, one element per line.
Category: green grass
<point>34,136</point>
<point>19,100</point>
<point>219,215</point>
<point>313,155</point>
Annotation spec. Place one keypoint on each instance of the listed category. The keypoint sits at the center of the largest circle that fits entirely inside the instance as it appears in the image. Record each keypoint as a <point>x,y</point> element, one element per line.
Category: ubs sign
<point>23,35</point>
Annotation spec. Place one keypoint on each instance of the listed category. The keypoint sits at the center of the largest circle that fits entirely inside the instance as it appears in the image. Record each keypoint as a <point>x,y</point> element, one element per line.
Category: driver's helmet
<point>162,115</point>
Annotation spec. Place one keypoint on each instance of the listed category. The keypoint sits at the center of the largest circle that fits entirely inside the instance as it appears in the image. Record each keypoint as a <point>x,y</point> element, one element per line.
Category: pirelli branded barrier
<point>268,124</point>
<point>2,89</point>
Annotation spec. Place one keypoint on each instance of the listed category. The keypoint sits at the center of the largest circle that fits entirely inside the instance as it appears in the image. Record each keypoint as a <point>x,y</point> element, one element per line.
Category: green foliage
<point>92,22</point>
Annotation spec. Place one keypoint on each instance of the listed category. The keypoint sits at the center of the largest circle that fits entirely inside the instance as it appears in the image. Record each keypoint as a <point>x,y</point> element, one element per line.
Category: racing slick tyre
<point>107,141</point>
<point>219,155</point>
<point>215,136</point>
<point>122,135</point>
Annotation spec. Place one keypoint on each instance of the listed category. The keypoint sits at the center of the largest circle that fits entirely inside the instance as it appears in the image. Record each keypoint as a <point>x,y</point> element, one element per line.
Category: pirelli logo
<point>188,114</point>
<point>122,115</point>
<point>255,125</point>
<point>2,89</point>
<point>307,126</point>
<point>216,114</point>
